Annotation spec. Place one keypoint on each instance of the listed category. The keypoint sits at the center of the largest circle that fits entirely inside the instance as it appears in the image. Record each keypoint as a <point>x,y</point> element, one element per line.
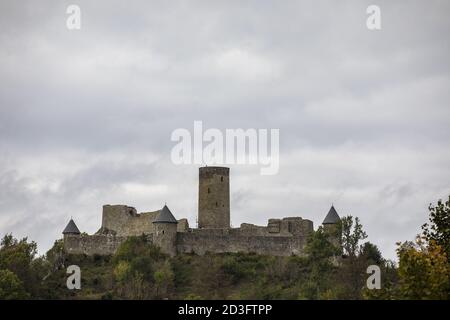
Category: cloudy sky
<point>86,115</point>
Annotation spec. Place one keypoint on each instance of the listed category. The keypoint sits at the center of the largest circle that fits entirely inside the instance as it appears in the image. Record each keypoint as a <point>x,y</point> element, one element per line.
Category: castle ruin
<point>281,237</point>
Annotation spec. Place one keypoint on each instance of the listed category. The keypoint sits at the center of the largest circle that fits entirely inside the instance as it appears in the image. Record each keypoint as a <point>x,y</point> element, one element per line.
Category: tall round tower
<point>214,197</point>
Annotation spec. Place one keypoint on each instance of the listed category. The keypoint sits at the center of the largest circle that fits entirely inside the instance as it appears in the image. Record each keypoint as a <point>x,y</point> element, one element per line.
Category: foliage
<point>424,272</point>
<point>371,254</point>
<point>164,278</point>
<point>320,252</point>
<point>352,235</point>
<point>18,257</point>
<point>438,228</point>
<point>140,270</point>
<point>11,288</point>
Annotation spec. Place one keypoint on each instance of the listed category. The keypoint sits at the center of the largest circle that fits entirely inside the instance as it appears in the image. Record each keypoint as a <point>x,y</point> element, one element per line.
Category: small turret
<point>71,228</point>
<point>165,235</point>
<point>332,217</point>
<point>71,236</point>
<point>331,223</point>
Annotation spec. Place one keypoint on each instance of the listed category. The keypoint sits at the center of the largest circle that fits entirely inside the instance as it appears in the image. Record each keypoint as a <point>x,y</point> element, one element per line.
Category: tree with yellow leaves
<point>424,271</point>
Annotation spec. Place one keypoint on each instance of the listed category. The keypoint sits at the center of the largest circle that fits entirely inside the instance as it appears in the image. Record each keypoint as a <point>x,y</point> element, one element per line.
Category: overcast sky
<point>86,115</point>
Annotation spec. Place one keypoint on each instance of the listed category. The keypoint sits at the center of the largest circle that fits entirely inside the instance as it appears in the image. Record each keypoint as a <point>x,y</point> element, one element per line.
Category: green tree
<point>11,288</point>
<point>164,278</point>
<point>352,274</point>
<point>122,271</point>
<point>136,262</point>
<point>389,283</point>
<point>438,228</point>
<point>352,235</point>
<point>371,254</point>
<point>320,270</point>
<point>55,255</point>
<point>18,256</point>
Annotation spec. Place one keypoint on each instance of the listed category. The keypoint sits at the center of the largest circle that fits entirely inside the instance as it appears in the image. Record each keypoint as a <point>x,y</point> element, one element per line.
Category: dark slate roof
<point>71,228</point>
<point>332,217</point>
<point>165,216</point>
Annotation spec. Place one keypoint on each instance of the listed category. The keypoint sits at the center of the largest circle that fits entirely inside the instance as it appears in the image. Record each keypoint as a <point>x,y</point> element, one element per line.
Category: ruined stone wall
<point>214,197</point>
<point>200,241</point>
<point>296,226</point>
<point>292,226</point>
<point>90,245</point>
<point>182,225</point>
<point>123,220</point>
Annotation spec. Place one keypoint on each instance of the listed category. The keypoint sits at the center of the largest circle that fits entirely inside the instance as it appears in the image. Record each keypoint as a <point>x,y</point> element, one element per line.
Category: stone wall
<point>94,244</point>
<point>248,239</point>
<point>283,237</point>
<point>200,241</point>
<point>182,225</point>
<point>292,226</point>
<point>123,220</point>
<point>165,237</point>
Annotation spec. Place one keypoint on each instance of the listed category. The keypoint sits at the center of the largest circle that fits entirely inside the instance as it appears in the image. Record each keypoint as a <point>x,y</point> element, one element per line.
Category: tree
<point>136,262</point>
<point>424,272</point>
<point>371,254</point>
<point>163,279</point>
<point>351,235</point>
<point>55,255</point>
<point>389,283</point>
<point>122,271</point>
<point>352,274</point>
<point>438,228</point>
<point>18,256</point>
<point>321,252</point>
<point>11,288</point>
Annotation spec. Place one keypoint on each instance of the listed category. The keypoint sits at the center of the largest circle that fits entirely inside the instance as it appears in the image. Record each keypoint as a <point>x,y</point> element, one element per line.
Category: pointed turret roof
<point>165,216</point>
<point>71,228</point>
<point>332,217</point>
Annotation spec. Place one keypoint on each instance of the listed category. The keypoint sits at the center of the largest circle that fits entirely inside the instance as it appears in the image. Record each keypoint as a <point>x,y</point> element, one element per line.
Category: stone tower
<point>71,235</point>
<point>214,197</point>
<point>331,225</point>
<point>165,235</point>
